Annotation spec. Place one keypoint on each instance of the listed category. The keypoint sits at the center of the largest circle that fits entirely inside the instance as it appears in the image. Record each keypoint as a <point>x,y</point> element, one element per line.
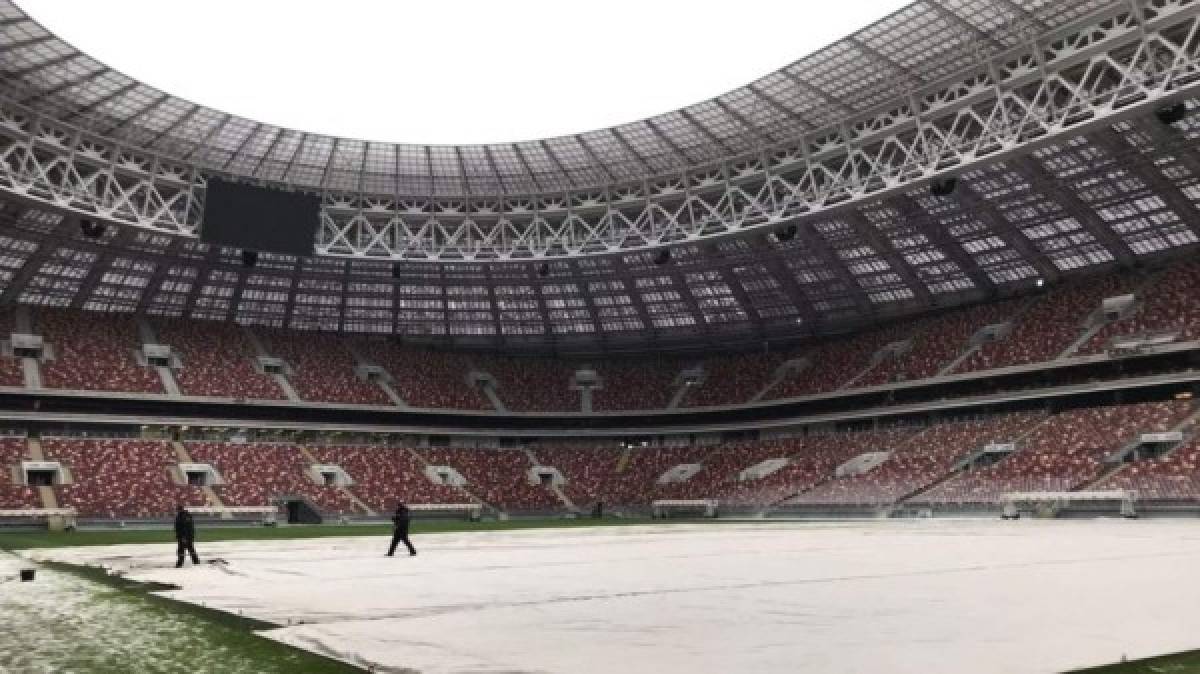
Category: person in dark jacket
<point>185,537</point>
<point>400,531</point>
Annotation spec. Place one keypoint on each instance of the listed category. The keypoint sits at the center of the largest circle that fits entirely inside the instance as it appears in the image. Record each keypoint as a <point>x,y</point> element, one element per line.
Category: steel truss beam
<point>1114,64</point>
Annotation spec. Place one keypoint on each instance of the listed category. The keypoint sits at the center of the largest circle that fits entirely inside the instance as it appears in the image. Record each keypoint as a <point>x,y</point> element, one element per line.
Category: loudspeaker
<point>943,187</point>
<point>397,271</point>
<point>543,270</point>
<point>249,258</point>
<point>786,233</point>
<point>662,257</point>
<point>91,229</point>
<point>1171,114</point>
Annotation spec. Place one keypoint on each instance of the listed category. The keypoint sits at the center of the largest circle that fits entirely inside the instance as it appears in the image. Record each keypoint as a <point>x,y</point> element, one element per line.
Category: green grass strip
<point>129,629</point>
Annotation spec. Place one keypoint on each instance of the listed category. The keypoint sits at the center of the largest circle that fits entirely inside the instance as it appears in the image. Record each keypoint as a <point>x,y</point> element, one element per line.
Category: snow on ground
<point>897,596</point>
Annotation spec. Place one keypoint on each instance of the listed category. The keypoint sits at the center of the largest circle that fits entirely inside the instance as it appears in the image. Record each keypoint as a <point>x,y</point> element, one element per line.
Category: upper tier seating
<point>259,474</point>
<point>323,369</point>
<point>497,476</point>
<point>1174,477</point>
<point>918,462</point>
<point>731,380</point>
<point>119,478</point>
<point>835,362</point>
<point>1061,453</point>
<point>532,384</point>
<point>12,452</point>
<point>1048,328</point>
<point>100,357</point>
<point>218,360</point>
<point>95,350</point>
<point>11,371</point>
<point>636,384</point>
<point>430,379</point>
<point>385,476</point>
<point>1169,305</point>
<point>940,340</point>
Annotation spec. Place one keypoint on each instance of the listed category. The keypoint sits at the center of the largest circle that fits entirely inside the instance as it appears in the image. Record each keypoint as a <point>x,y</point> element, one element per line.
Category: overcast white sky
<point>451,71</point>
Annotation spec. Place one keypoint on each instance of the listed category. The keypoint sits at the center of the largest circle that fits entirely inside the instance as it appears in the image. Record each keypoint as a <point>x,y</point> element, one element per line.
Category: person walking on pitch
<point>400,531</point>
<point>185,537</point>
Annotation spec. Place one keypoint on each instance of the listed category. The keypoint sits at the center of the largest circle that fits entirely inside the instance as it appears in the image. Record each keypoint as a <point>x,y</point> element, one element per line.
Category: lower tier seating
<point>259,474</point>
<point>12,495</point>
<point>720,469</point>
<point>119,479</point>
<point>1173,477</point>
<point>1063,452</point>
<point>498,477</point>
<point>128,478</point>
<point>917,461</point>
<point>588,470</point>
<point>385,476</point>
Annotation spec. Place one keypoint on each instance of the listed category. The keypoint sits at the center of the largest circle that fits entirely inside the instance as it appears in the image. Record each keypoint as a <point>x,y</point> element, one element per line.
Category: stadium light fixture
<point>943,187</point>
<point>1171,114</point>
<point>786,233</point>
<point>91,229</point>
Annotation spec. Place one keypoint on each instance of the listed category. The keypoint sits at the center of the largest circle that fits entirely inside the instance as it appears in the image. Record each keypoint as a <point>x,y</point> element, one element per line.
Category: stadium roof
<point>919,44</point>
<point>1062,166</point>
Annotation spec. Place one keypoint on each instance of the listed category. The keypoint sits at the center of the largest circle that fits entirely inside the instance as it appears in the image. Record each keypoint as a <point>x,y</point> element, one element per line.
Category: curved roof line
<point>920,43</point>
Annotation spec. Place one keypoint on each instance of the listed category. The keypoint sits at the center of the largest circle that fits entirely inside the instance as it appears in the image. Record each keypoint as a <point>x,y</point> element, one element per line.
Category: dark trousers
<point>185,546</point>
<point>401,537</point>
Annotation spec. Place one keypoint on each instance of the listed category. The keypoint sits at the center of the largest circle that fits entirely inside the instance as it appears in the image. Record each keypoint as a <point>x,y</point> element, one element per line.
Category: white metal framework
<point>1039,83</point>
<point>1043,112</point>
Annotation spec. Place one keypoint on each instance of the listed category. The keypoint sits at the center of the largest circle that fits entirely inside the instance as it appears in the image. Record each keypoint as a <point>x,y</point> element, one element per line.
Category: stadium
<point>885,361</point>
